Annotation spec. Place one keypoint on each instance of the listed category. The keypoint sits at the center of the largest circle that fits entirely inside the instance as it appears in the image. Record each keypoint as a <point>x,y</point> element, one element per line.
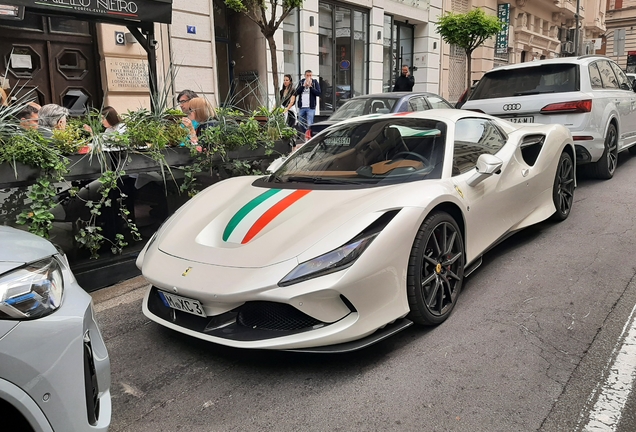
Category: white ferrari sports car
<point>370,227</point>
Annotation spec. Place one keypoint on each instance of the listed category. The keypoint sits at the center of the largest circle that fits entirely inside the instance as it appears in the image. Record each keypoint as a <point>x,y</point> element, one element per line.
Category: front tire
<point>605,167</point>
<point>563,189</point>
<point>436,269</point>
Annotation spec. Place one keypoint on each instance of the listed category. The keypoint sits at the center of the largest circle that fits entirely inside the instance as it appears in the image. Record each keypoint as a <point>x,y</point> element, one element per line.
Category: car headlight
<point>336,260</point>
<point>32,291</point>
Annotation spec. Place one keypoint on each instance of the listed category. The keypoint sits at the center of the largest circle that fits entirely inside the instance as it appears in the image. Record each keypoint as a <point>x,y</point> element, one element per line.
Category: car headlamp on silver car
<point>31,291</point>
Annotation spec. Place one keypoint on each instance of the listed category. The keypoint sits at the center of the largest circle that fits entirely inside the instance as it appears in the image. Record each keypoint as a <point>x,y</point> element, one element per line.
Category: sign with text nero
<point>126,74</point>
<point>503,12</point>
<point>122,11</point>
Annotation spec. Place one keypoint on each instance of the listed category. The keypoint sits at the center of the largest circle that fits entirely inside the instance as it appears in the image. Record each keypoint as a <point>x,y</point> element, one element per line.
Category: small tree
<point>256,11</point>
<point>468,31</point>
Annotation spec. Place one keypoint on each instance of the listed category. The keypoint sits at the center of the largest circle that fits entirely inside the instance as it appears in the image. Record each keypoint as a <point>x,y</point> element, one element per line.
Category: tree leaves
<point>468,30</point>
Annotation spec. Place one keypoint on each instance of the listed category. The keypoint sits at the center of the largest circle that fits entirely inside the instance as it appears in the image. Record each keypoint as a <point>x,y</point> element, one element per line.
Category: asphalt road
<point>529,347</point>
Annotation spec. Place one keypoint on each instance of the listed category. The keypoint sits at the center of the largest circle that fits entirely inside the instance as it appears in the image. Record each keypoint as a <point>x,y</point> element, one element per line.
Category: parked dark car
<point>382,103</point>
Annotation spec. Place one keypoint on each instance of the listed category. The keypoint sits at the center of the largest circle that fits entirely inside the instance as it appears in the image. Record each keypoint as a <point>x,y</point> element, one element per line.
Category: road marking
<point>606,414</point>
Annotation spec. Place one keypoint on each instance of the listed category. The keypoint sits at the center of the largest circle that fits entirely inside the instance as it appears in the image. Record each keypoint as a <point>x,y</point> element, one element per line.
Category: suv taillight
<point>581,106</point>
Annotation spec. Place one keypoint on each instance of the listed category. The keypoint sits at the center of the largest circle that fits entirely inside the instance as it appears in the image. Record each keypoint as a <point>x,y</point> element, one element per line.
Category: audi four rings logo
<point>512,107</point>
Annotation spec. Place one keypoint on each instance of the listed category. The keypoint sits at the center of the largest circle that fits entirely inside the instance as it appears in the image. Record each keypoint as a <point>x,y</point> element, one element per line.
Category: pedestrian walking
<point>405,81</point>
<point>306,93</point>
<point>287,99</point>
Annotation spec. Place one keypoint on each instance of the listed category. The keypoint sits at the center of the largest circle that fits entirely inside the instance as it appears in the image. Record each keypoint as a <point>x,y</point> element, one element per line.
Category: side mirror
<point>487,165</point>
<point>634,85</point>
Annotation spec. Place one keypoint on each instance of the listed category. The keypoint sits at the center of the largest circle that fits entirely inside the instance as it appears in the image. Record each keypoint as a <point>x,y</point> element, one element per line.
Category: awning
<point>122,12</point>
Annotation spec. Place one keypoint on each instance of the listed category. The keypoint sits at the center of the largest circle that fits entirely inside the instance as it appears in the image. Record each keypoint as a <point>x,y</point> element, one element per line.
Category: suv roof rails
<point>592,55</point>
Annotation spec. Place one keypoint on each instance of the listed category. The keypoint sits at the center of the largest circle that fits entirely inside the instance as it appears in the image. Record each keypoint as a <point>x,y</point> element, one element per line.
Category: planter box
<point>133,162</point>
<point>26,175</point>
<point>280,148</point>
<point>178,156</point>
<point>84,167</point>
<point>136,162</point>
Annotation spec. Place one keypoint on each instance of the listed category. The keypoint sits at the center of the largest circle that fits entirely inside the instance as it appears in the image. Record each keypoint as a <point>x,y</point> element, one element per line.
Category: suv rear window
<point>553,78</point>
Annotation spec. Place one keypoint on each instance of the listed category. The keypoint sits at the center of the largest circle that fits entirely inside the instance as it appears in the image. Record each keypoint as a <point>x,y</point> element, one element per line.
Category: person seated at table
<point>28,116</point>
<point>50,118</point>
<point>198,118</point>
<point>111,121</point>
<point>4,99</point>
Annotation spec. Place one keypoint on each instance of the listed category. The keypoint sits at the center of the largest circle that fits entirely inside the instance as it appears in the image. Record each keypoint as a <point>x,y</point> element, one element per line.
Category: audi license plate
<point>182,304</point>
<point>527,119</point>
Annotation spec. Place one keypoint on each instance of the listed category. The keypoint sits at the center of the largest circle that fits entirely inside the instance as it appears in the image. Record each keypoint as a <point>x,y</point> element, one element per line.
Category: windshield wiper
<point>320,180</point>
<point>528,93</point>
<point>274,178</point>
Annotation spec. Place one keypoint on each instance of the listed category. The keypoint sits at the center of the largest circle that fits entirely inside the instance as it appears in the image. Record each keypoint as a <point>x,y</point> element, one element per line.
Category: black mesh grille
<point>274,316</point>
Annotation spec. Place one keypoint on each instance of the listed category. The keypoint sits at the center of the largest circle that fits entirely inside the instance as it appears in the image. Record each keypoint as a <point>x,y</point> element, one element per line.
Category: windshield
<point>369,152</point>
<point>531,80</point>
<point>358,107</point>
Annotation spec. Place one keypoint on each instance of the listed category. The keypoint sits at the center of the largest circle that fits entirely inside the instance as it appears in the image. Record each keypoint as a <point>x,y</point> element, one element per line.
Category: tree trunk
<point>469,72</point>
<point>274,57</point>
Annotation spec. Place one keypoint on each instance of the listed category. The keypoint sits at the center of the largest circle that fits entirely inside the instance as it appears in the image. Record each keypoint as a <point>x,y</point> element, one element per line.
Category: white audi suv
<point>590,95</point>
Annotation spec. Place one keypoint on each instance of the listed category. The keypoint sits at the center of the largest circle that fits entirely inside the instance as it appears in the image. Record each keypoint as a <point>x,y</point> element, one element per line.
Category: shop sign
<point>503,12</point>
<point>108,10</point>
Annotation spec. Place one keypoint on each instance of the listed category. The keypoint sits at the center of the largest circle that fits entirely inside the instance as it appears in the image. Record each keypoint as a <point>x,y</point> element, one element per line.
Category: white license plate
<point>527,119</point>
<point>182,303</point>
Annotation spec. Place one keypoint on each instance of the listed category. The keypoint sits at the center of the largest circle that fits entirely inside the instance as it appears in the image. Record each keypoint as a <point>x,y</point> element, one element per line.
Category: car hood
<point>19,248</point>
<point>237,224</point>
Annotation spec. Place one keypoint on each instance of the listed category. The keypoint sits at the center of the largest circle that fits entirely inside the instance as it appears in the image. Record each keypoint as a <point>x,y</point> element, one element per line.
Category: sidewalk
<point>124,292</point>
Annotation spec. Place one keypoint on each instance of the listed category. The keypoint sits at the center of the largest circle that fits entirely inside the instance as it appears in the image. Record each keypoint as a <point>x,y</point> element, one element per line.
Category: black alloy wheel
<point>563,189</point>
<point>436,269</point>
<point>604,168</point>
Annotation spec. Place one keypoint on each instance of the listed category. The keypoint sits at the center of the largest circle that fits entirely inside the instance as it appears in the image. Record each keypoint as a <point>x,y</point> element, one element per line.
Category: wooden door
<point>53,59</point>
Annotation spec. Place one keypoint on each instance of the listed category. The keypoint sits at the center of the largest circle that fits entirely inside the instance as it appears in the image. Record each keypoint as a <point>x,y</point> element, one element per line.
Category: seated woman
<point>198,118</point>
<point>4,99</point>
<point>111,121</point>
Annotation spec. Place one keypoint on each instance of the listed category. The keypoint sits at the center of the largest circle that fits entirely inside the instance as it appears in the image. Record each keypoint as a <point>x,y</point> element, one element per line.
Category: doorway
<point>402,47</point>
<point>224,62</point>
<point>343,54</point>
<point>50,59</point>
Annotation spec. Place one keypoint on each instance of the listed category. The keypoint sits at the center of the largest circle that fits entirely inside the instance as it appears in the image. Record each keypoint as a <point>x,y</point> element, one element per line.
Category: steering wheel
<point>410,153</point>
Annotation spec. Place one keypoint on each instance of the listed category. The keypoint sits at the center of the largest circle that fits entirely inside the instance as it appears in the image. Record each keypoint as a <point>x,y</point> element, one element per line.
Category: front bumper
<point>55,370</point>
<point>246,308</point>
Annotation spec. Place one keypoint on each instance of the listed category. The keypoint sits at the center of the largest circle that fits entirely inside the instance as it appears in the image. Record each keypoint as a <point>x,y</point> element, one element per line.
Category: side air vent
<point>531,146</point>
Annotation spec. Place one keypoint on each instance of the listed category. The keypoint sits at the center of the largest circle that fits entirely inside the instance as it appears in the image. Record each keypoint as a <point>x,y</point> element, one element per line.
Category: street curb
<point>118,290</point>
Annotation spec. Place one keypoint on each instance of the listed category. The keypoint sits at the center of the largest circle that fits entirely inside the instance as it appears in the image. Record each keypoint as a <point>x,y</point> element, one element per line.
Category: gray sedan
<point>382,103</point>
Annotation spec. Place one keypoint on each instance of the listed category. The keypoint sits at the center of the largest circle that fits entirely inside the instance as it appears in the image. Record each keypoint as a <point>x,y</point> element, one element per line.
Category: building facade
<point>353,48</point>
<point>537,29</point>
<point>620,38</point>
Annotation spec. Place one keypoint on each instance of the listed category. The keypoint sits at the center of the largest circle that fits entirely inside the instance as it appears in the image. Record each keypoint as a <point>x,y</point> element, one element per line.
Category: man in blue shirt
<point>306,93</point>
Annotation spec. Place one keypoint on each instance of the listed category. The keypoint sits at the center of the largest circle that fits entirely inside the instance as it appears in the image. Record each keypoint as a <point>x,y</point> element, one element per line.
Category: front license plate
<point>527,119</point>
<point>182,303</point>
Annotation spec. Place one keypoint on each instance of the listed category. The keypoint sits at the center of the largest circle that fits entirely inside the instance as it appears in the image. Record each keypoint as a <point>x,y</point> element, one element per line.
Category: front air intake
<point>275,317</point>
